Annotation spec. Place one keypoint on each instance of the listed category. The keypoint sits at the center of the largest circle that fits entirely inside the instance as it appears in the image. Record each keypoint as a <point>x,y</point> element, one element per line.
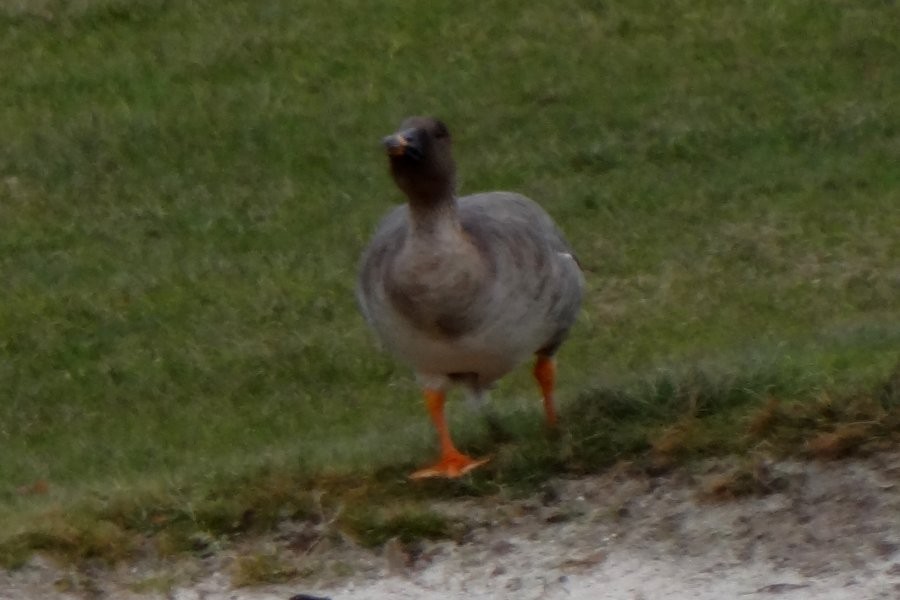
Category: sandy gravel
<point>825,531</point>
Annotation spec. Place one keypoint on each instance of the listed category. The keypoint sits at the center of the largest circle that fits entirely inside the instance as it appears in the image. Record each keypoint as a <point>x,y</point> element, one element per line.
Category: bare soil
<point>829,531</point>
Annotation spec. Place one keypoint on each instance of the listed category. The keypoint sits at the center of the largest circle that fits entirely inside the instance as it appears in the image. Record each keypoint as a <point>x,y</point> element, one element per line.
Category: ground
<point>186,188</point>
<point>808,530</point>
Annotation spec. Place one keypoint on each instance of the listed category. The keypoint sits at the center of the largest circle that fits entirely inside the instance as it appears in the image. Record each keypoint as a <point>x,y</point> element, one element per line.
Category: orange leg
<point>545,373</point>
<point>453,463</point>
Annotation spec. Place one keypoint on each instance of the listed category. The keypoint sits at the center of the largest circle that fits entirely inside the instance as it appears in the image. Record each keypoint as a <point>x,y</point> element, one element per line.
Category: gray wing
<point>377,257</point>
<point>527,250</point>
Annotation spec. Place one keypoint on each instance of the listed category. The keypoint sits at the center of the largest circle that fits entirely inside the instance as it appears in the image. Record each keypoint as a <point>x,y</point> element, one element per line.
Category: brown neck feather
<point>429,217</point>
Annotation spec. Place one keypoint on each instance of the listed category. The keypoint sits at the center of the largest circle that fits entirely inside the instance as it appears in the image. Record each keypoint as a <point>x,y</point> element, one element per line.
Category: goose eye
<point>440,131</point>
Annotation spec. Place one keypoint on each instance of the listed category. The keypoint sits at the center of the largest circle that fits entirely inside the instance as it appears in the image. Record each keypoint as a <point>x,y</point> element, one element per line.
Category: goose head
<point>421,161</point>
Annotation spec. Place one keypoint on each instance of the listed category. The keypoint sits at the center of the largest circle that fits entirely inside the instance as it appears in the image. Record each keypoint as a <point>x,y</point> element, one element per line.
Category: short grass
<point>185,187</point>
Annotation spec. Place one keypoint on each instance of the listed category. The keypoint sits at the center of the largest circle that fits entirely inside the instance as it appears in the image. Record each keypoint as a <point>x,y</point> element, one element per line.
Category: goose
<point>464,289</point>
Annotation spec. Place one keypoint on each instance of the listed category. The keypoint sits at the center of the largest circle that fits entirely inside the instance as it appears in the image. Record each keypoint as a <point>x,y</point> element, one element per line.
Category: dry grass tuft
<point>264,567</point>
<point>752,478</point>
<point>844,440</point>
<point>674,439</point>
<point>764,420</point>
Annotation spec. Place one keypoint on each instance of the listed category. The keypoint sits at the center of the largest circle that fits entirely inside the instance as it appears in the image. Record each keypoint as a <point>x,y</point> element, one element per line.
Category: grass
<point>185,188</point>
<point>262,568</point>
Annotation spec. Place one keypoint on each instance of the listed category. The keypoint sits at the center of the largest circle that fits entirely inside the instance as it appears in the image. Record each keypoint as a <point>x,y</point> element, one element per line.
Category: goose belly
<point>490,352</point>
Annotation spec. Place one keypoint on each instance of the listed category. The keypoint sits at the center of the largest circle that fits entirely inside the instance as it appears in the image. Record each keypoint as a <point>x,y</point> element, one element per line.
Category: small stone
<point>395,555</point>
<point>779,588</point>
<point>884,548</point>
<point>502,547</point>
<point>514,584</point>
<point>584,562</point>
<point>559,517</point>
<point>549,495</point>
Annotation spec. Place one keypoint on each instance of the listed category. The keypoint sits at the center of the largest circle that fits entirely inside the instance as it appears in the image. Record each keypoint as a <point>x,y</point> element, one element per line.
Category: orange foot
<point>451,465</point>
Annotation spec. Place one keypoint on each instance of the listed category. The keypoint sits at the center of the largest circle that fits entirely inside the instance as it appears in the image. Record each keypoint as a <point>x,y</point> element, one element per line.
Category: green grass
<point>185,188</point>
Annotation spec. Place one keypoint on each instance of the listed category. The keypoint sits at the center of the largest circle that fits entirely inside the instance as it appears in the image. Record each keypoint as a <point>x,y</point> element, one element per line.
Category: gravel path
<point>827,531</point>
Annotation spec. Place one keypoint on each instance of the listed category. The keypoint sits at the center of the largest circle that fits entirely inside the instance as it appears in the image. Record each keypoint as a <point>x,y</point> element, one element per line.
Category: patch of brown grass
<point>761,422</point>
<point>264,567</point>
<point>846,439</point>
<point>752,478</point>
<point>826,427</point>
<point>672,443</point>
